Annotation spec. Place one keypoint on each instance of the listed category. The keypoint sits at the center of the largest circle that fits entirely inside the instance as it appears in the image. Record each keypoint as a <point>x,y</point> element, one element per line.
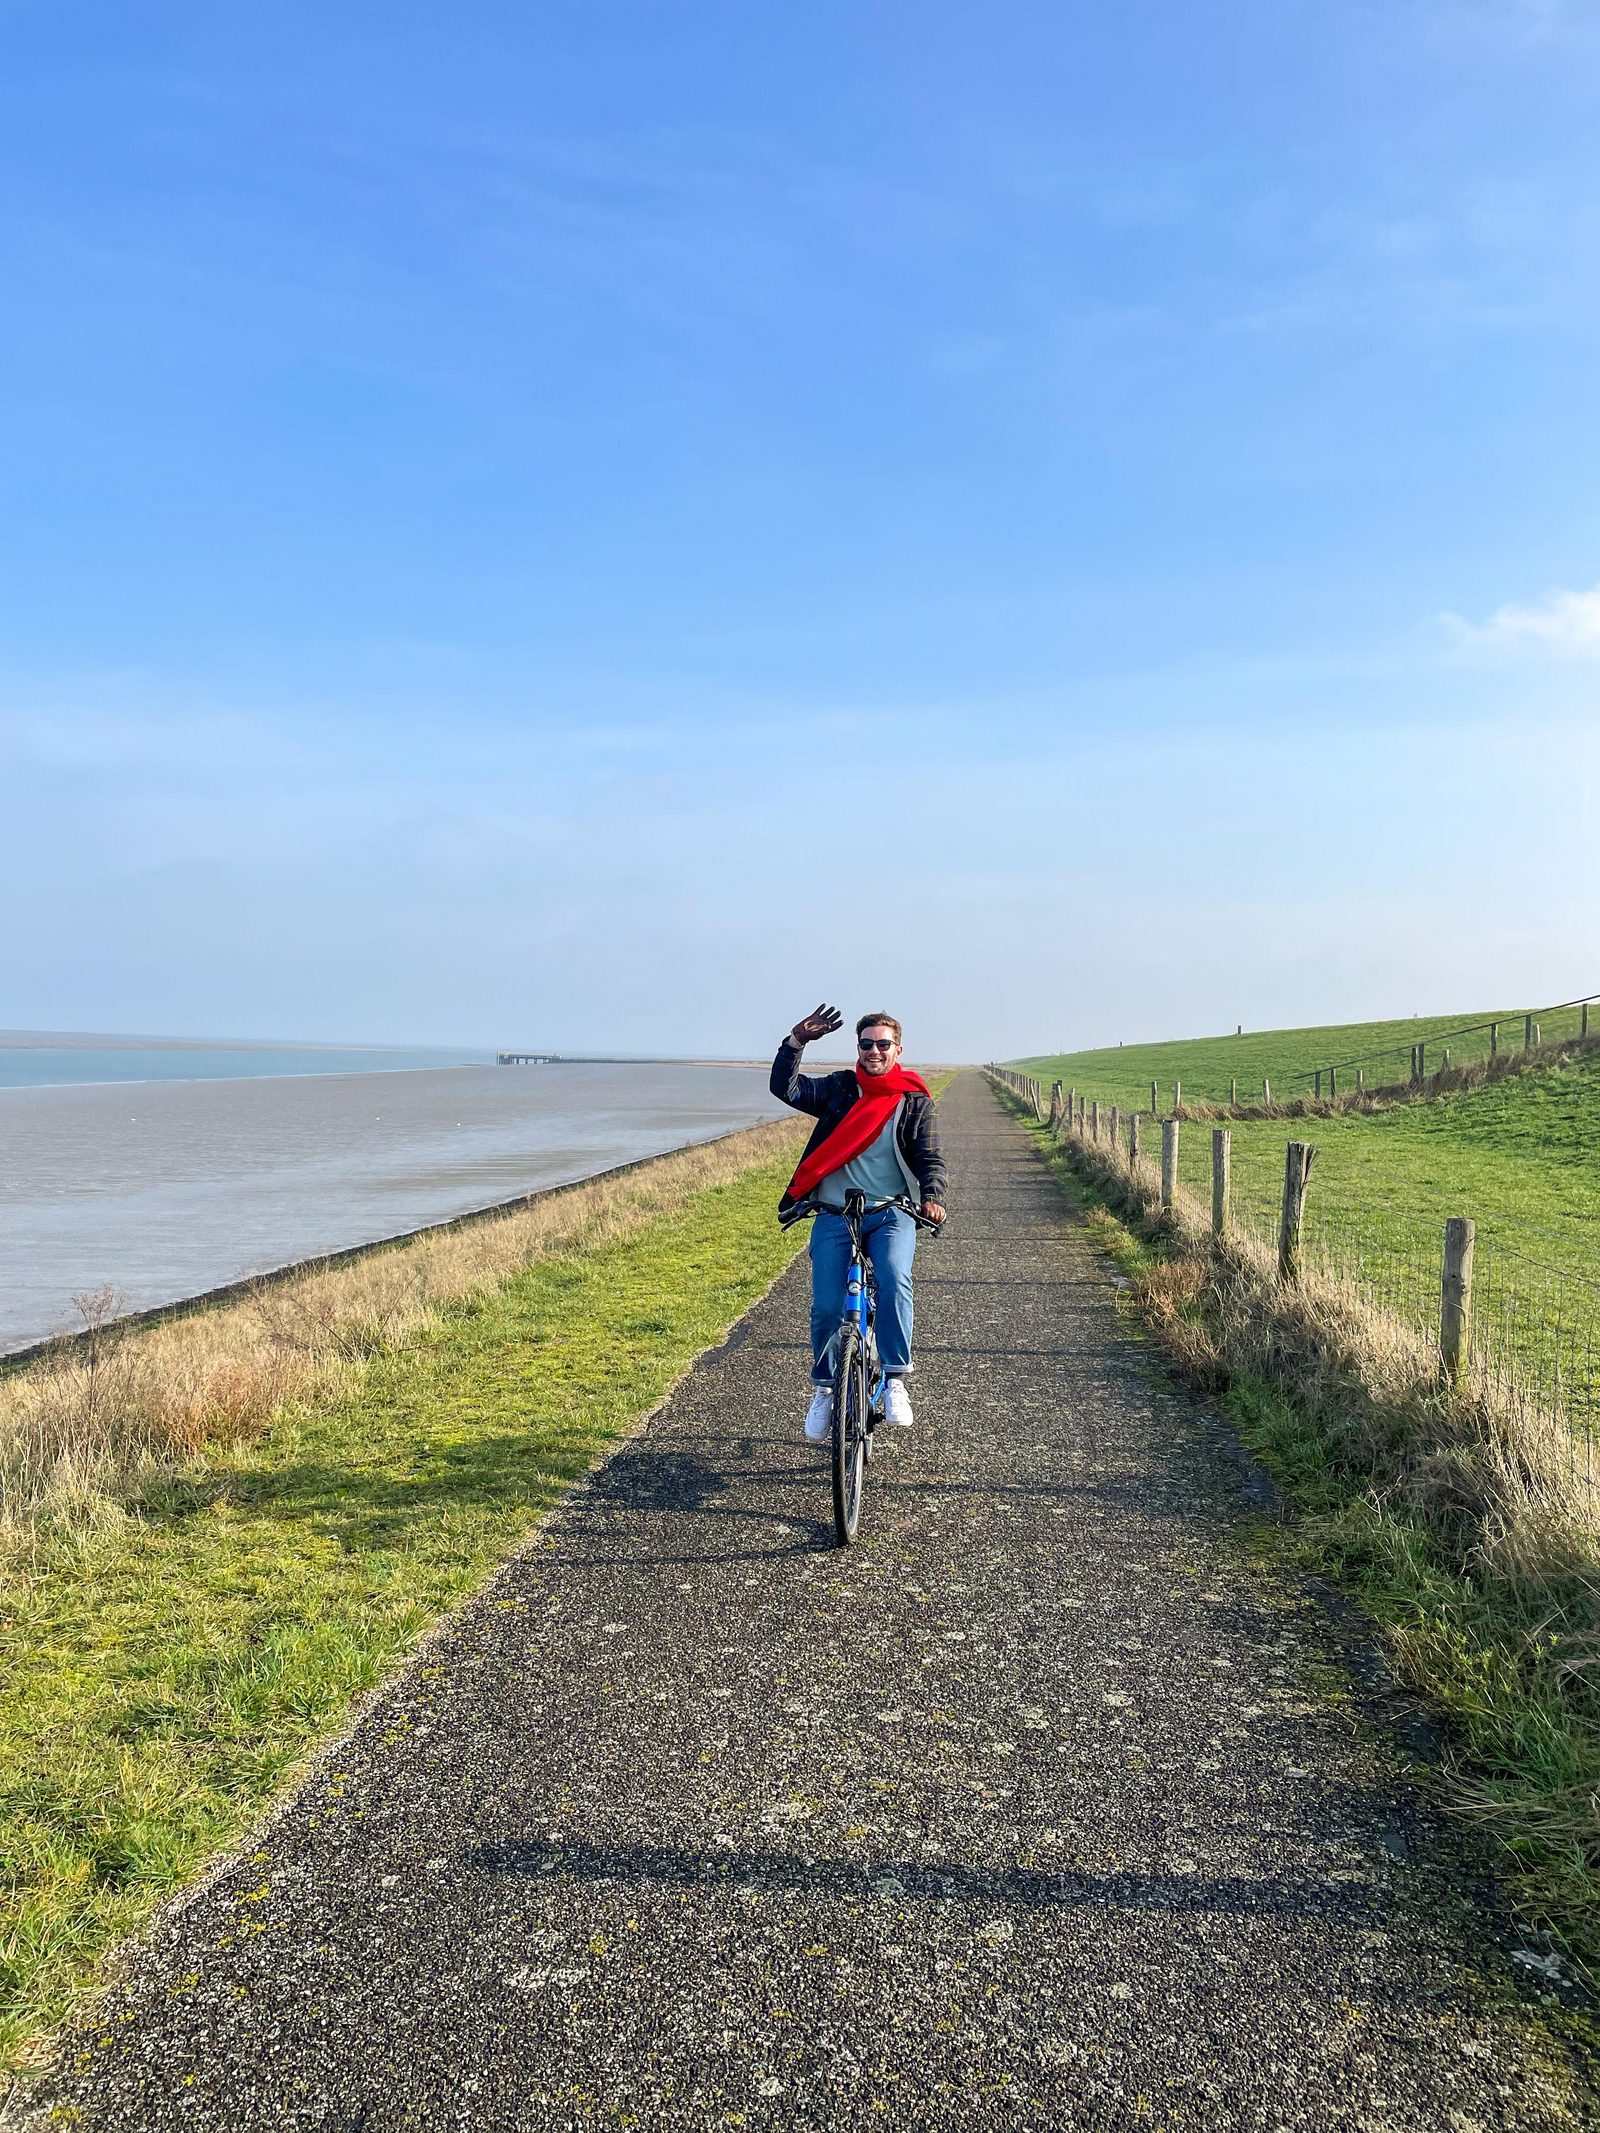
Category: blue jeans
<point>890,1237</point>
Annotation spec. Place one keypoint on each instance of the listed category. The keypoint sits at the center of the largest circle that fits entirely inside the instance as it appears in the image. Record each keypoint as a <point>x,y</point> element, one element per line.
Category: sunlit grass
<point>169,1665</point>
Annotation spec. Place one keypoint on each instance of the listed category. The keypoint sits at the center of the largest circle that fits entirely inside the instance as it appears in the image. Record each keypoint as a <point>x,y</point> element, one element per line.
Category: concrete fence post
<point>1361,1080</point>
<point>1155,1102</point>
<point>1298,1157</point>
<point>1177,1098</point>
<point>1455,1304</point>
<point>1221,1166</point>
<point>1169,1163</point>
<point>1266,1094</point>
<point>1233,1092</point>
<point>1537,1036</point>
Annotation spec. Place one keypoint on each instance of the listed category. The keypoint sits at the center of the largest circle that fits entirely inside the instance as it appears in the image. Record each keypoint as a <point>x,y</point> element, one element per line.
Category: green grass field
<point>1206,1065</point>
<point>1518,1155</point>
<point>165,1674</point>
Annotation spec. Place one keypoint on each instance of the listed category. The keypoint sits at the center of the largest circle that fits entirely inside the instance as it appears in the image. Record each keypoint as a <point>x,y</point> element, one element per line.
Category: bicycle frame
<point>860,1289</point>
<point>861,1304</point>
<point>855,1361</point>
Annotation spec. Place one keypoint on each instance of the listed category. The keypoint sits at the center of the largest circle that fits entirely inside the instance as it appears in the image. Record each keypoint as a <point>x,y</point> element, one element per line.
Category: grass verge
<point>170,1662</point>
<point>1460,1537</point>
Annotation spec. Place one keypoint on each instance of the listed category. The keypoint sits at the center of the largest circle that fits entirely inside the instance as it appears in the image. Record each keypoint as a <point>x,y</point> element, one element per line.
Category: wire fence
<point>1441,1058</point>
<point>1489,1305</point>
<point>1471,1044</point>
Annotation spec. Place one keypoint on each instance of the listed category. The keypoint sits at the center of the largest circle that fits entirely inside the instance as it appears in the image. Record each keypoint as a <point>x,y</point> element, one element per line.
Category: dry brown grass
<point>97,1413</point>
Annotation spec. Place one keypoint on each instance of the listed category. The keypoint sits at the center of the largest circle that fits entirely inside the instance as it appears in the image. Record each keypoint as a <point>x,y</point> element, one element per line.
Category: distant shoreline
<point>48,1040</point>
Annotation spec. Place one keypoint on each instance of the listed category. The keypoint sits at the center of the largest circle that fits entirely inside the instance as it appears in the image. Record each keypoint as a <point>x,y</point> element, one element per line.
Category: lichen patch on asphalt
<point>1043,1804</point>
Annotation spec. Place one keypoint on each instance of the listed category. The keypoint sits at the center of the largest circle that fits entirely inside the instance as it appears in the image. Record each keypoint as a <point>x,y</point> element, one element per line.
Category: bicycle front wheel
<point>849,1434</point>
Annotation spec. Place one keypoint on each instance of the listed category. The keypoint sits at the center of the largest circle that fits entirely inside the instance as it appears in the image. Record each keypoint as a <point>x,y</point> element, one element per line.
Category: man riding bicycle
<point>877,1133</point>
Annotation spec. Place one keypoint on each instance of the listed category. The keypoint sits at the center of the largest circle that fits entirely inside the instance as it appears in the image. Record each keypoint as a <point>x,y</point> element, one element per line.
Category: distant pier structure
<point>527,1058</point>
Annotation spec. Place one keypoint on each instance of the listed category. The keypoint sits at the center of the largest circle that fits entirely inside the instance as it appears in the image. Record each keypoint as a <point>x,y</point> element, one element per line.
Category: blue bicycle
<point>859,1381</point>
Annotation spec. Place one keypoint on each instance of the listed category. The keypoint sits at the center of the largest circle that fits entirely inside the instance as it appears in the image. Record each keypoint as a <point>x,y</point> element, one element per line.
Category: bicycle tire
<point>848,1435</point>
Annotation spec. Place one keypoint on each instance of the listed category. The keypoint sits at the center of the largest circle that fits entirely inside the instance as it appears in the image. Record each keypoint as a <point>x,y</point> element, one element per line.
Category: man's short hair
<point>881,1021</point>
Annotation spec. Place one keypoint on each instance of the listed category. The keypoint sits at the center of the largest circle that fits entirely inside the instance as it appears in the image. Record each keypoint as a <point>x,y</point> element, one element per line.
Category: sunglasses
<point>875,1044</point>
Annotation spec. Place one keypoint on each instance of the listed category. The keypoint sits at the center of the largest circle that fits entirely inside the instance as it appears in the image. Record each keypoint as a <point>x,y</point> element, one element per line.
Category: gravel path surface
<point>1044,1804</point>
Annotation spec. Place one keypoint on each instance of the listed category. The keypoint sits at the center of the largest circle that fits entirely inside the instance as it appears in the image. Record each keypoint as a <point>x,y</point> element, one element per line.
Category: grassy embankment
<point>1209,1066</point>
<point>236,1522</point>
<point>1468,1531</point>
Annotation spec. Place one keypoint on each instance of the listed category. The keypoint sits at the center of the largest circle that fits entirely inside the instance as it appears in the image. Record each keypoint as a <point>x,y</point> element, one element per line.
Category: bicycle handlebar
<point>807,1208</point>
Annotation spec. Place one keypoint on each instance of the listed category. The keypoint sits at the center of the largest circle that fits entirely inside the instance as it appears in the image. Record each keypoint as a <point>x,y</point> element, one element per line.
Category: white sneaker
<point>819,1414</point>
<point>897,1404</point>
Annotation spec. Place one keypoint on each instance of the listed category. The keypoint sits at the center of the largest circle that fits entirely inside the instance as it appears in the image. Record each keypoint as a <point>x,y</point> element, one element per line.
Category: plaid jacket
<point>827,1097</point>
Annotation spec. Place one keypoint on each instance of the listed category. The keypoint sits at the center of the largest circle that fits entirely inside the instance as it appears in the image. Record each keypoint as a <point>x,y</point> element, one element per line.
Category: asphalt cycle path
<point>1045,1804</point>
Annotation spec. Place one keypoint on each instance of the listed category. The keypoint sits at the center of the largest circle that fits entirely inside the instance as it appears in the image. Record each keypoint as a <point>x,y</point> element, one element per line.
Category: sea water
<point>161,1189</point>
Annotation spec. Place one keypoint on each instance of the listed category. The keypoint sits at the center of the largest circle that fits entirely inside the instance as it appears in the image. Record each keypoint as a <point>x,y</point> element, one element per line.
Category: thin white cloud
<point>1566,623</point>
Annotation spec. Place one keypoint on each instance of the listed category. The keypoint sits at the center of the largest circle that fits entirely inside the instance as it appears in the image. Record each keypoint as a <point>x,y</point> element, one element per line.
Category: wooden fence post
<point>1527,1033</point>
<point>1169,1163</point>
<point>1133,1140</point>
<point>1220,1168</point>
<point>1333,1082</point>
<point>1319,1081</point>
<point>1298,1157</point>
<point>1094,1121</point>
<point>1494,1039</point>
<point>1177,1098</point>
<point>1583,1020</point>
<point>1114,1137</point>
<point>1455,1307</point>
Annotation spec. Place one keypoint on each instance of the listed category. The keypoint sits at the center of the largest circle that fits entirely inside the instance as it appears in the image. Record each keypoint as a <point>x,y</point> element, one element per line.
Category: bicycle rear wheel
<point>849,1434</point>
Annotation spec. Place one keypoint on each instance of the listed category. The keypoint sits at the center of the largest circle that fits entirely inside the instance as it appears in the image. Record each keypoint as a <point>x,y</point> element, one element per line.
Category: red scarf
<point>859,1128</point>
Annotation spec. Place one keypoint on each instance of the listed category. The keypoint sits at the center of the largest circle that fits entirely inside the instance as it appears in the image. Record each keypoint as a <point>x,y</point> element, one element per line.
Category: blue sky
<point>605,523</point>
